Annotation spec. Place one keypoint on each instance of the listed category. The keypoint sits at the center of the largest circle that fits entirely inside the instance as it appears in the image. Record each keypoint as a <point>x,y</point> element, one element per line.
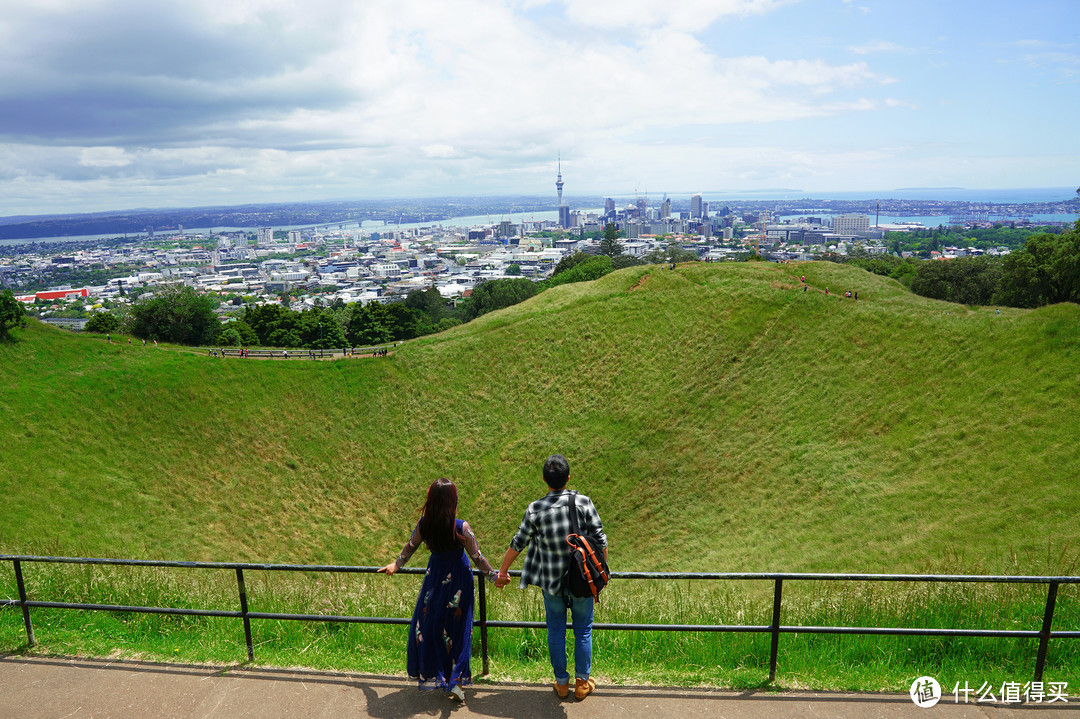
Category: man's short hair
<point>556,471</point>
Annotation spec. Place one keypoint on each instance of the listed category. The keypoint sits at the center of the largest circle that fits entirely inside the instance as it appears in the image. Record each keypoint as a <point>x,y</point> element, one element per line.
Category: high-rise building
<point>851,224</point>
<point>506,229</point>
<point>665,208</point>
<point>264,237</point>
<point>609,206</point>
<point>695,207</point>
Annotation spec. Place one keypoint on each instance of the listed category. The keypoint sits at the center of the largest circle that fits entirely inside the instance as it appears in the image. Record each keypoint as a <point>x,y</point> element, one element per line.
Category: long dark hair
<point>438,527</point>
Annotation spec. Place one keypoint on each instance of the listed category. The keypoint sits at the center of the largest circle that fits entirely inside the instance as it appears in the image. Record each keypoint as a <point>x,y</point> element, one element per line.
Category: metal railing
<point>297,353</point>
<point>775,628</point>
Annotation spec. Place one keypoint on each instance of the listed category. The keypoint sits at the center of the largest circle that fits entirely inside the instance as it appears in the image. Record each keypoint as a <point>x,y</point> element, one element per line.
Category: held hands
<point>389,569</point>
<point>502,580</point>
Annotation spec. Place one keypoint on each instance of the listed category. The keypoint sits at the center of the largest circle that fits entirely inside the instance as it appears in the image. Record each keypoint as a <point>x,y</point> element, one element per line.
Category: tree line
<point>1045,270</point>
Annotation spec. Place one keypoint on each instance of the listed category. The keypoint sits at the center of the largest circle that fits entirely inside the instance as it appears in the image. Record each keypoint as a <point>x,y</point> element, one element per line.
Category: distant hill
<point>721,418</point>
<point>296,214</point>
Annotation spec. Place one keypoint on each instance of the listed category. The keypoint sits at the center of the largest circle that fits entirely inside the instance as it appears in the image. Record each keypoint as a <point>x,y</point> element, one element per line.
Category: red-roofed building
<point>54,295</point>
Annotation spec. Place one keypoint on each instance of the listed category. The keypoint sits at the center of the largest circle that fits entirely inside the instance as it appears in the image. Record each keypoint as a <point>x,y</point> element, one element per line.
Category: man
<point>545,525</point>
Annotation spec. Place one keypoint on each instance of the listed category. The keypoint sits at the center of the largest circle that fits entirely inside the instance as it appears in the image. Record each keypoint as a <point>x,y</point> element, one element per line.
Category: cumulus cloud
<point>355,96</point>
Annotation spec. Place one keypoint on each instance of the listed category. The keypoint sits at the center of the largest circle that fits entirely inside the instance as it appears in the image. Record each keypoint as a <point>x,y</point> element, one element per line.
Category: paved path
<point>57,688</point>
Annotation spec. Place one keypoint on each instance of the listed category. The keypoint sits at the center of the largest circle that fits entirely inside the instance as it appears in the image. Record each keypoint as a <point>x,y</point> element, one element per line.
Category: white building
<point>387,269</point>
<point>851,224</point>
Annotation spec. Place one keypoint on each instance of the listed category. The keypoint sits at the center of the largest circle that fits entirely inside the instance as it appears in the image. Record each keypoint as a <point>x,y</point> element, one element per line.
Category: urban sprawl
<point>325,263</point>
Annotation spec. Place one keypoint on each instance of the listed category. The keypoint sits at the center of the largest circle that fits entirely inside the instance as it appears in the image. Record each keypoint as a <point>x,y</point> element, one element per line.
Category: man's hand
<point>389,569</point>
<point>502,580</point>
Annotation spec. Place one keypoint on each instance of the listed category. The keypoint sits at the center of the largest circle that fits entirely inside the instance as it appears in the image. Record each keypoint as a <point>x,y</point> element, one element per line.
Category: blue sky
<point>109,104</point>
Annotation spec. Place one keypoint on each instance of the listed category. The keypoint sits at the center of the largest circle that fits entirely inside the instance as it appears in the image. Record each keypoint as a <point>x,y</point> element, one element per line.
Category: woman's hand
<point>389,569</point>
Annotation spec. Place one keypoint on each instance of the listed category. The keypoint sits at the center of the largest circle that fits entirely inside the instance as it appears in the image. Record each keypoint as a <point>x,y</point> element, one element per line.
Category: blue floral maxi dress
<point>440,633</point>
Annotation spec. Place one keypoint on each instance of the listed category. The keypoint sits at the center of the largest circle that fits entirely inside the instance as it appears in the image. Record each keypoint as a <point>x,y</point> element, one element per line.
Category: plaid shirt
<point>547,521</point>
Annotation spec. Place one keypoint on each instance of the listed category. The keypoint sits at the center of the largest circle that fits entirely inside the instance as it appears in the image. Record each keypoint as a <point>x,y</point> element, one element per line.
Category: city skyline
<point>117,104</point>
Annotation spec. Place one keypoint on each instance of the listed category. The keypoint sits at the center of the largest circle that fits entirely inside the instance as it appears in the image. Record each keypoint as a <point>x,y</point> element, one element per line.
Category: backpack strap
<point>573,512</point>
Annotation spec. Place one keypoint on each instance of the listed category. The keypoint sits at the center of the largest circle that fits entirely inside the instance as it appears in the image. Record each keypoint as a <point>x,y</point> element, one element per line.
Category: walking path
<point>51,688</point>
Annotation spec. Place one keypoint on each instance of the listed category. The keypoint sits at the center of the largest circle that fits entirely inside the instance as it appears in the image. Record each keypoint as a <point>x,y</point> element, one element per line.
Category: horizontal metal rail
<point>483,623</point>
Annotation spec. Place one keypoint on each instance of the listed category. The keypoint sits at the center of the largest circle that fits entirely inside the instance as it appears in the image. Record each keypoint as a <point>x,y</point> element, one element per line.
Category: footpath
<point>63,688</point>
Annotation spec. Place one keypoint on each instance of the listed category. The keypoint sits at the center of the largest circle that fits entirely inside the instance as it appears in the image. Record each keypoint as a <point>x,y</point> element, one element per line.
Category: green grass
<point>721,418</point>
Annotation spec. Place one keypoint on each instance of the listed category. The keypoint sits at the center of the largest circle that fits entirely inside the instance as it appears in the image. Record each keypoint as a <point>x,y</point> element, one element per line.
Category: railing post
<point>22,600</point>
<point>775,628</point>
<point>1044,635</point>
<point>483,627</point>
<point>244,613</point>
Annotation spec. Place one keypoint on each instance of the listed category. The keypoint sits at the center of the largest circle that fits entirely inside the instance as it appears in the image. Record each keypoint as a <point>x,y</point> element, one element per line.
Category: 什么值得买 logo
<point>925,692</point>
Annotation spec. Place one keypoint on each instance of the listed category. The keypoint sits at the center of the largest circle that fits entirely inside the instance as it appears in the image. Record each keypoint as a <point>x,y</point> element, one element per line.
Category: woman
<point>440,634</point>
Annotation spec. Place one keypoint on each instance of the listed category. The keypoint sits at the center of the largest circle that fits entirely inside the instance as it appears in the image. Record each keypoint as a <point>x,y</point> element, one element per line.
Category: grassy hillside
<point>721,418</point>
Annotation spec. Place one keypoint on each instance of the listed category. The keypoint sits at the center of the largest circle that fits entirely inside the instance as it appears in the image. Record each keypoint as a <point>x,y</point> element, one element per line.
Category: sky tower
<point>564,211</point>
<point>559,182</point>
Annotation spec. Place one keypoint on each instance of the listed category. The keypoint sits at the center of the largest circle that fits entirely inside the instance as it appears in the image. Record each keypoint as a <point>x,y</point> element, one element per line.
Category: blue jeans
<point>581,612</point>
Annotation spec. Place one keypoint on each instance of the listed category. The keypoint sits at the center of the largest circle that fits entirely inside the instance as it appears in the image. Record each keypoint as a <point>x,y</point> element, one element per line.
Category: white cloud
<point>685,15</point>
<point>877,46</point>
<point>266,98</point>
<point>1065,65</point>
<point>104,157</point>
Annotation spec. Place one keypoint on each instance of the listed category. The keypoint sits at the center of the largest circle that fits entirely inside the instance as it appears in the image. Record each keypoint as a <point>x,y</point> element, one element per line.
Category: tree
<point>592,269</point>
<point>568,262</point>
<point>12,313</point>
<point>265,320</point>
<point>514,270</point>
<point>368,325</point>
<point>497,294</point>
<point>1046,271</point>
<point>673,253</point>
<point>610,245</point>
<point>228,337</point>
<point>248,337</point>
<point>102,323</point>
<point>176,314</point>
<point>317,329</point>
<point>966,280</point>
<point>446,323</point>
<point>427,302</point>
<point>617,263</point>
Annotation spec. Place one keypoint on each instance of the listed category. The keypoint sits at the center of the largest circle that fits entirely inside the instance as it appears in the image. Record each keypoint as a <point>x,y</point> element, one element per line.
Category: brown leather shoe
<point>583,688</point>
<point>562,689</point>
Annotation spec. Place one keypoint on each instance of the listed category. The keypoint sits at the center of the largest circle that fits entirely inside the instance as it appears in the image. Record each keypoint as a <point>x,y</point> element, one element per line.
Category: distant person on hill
<point>545,526</point>
<point>440,633</point>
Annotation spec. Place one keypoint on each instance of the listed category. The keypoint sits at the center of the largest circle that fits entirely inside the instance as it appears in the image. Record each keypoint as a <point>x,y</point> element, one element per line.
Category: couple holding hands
<point>440,633</point>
